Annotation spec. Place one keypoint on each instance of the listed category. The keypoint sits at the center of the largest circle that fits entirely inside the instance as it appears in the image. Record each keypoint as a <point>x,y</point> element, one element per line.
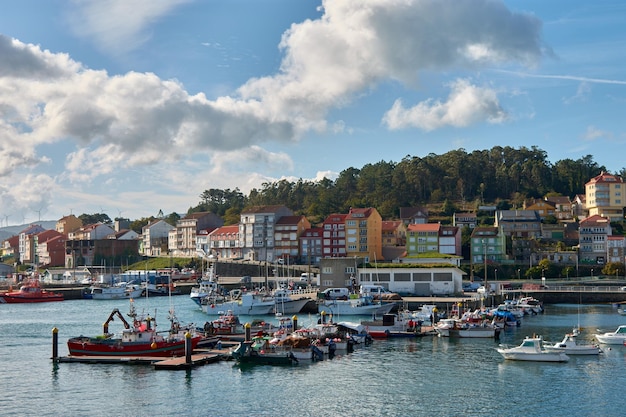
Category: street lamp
<point>495,274</point>
<point>519,274</point>
<point>591,273</point>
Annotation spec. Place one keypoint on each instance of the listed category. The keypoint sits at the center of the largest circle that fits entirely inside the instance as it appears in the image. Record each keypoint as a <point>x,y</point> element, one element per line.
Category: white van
<point>305,276</point>
<point>336,293</point>
<point>371,289</point>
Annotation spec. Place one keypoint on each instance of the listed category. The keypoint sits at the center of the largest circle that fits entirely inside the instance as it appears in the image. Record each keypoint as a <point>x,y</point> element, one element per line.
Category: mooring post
<point>248,335</point>
<point>55,344</point>
<point>188,348</point>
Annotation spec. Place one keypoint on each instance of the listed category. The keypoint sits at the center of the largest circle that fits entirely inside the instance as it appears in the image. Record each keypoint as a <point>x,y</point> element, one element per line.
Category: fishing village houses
<point>408,253</point>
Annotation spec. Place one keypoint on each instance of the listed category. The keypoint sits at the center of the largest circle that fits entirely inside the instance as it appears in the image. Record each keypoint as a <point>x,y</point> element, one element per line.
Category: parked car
<point>336,293</point>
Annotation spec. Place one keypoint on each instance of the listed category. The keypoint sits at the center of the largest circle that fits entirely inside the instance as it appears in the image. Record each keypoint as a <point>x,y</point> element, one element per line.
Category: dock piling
<point>188,346</point>
<point>55,343</point>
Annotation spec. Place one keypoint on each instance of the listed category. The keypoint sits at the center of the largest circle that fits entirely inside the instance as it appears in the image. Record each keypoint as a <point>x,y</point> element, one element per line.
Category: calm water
<point>418,377</point>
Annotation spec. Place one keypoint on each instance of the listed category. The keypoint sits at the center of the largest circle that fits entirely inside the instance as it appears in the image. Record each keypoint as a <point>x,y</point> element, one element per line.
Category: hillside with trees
<point>456,180</point>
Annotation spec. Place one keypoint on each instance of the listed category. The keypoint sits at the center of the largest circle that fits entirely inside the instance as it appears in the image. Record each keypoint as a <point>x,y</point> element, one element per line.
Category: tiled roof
<point>335,218</point>
<point>424,227</point>
<point>595,220</point>
<point>606,178</point>
<point>391,224</point>
<point>289,220</point>
<point>225,230</point>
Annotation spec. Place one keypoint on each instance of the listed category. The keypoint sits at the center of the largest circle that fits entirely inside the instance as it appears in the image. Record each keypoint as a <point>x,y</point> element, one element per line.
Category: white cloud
<point>134,120</point>
<point>593,133</point>
<point>465,105</point>
<point>118,26</point>
<point>355,45</point>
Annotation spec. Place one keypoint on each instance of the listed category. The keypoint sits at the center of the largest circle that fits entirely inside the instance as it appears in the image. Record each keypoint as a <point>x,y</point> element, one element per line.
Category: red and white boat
<point>138,339</point>
<point>30,292</point>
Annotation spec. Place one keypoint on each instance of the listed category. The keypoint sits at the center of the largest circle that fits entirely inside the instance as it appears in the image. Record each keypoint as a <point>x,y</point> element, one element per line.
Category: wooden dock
<point>198,358</point>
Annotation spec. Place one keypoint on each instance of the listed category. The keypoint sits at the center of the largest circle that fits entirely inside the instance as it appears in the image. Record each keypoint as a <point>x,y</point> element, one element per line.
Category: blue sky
<point>129,107</point>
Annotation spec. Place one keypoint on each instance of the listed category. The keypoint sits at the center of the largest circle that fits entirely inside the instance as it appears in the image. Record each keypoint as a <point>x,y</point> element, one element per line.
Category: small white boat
<point>458,328</point>
<point>117,292</point>
<point>364,305</point>
<point>570,346</point>
<point>618,337</point>
<point>246,304</point>
<point>532,349</point>
<point>287,305</point>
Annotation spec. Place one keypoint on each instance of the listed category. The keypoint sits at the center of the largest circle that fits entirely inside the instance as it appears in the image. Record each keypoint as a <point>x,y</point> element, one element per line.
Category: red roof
<point>424,227</point>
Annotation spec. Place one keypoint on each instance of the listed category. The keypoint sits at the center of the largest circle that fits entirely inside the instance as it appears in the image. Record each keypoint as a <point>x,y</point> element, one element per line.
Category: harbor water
<point>402,377</point>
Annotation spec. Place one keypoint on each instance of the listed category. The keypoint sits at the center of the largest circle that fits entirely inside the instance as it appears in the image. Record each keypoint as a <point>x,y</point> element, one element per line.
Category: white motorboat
<point>458,328</point>
<point>284,304</point>
<point>116,292</point>
<point>532,349</point>
<point>364,305</point>
<point>570,346</point>
<point>247,304</point>
<point>618,337</point>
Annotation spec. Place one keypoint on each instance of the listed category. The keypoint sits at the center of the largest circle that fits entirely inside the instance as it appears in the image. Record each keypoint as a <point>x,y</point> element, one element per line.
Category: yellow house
<point>364,234</point>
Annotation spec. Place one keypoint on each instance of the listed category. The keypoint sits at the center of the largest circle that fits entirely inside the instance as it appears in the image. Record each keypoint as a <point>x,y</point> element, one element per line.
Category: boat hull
<point>341,307</point>
<point>534,357</point>
<point>85,346</point>
<point>116,295</point>
<point>17,298</point>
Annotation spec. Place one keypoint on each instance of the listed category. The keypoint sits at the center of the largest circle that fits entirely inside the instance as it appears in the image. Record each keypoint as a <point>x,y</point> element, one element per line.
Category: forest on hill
<point>455,179</point>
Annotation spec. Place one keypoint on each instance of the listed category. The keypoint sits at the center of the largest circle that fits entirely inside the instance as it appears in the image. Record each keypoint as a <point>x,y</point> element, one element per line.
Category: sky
<point>131,107</point>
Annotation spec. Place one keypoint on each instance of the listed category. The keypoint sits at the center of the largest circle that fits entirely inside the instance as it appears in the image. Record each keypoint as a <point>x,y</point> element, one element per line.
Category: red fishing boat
<point>30,292</point>
<point>138,339</point>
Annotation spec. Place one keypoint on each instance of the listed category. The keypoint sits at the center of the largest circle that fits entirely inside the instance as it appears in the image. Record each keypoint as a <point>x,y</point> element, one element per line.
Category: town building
<point>464,220</point>
<point>224,242</point>
<point>334,236</point>
<point>67,224</point>
<point>417,280</point>
<point>256,231</point>
<point>563,207</point>
<point>519,223</point>
<point>364,234</point>
<point>542,207</point>
<point>413,215</point>
<point>311,246</point>
<point>287,240</point>
<point>26,247</point>
<point>433,238</point>
<point>487,245</point>
<point>604,195</point>
<point>187,229</point>
<point>154,238</point>
<point>393,233</point>
<point>616,249</point>
<point>593,234</point>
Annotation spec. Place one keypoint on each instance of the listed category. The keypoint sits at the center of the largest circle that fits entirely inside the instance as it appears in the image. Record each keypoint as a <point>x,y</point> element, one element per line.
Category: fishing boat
<point>137,339</point>
<point>260,351</point>
<point>392,325</point>
<point>360,306</point>
<point>571,346</point>
<point>115,292</point>
<point>531,349</point>
<point>459,328</point>
<point>241,304</point>
<point>284,304</point>
<point>30,292</point>
<point>207,286</point>
<point>617,337</point>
